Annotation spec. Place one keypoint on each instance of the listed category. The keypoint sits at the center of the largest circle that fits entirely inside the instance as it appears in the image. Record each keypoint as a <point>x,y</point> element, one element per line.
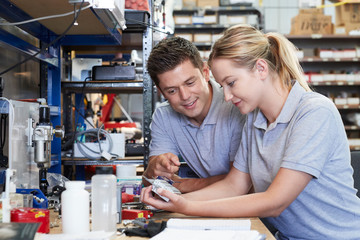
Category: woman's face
<point>244,88</point>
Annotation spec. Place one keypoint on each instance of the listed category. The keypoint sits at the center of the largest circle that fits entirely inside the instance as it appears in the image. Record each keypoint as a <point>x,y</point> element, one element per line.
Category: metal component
<point>147,92</point>
<point>105,87</point>
<point>42,136</point>
<point>43,181</point>
<point>99,162</point>
<point>60,131</point>
<point>25,47</point>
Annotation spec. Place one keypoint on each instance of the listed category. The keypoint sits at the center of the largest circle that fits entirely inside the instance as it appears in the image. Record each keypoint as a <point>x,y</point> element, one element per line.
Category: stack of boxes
<point>311,21</point>
<point>347,18</point>
<point>206,15</point>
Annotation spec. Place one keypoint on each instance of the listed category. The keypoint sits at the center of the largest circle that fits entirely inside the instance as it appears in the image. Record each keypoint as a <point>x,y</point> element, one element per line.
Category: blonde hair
<point>245,45</point>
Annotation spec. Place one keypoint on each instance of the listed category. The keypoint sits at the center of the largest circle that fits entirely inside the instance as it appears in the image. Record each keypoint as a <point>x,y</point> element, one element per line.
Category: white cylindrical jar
<point>103,200</point>
<point>75,208</point>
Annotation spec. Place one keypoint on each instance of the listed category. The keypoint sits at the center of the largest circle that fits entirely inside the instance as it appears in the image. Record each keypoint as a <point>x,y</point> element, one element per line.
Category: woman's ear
<point>262,68</point>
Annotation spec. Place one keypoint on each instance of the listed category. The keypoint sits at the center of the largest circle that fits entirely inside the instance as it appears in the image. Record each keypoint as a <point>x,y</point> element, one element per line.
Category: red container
<point>32,215</point>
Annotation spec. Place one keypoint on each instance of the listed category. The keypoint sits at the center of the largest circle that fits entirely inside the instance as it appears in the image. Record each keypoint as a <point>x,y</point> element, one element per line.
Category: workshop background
<point>90,67</point>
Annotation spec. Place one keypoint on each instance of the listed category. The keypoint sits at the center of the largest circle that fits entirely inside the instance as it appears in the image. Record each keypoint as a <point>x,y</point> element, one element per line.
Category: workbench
<point>256,224</point>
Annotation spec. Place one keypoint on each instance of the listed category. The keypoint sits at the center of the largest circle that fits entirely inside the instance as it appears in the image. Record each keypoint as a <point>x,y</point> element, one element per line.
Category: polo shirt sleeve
<point>312,139</point>
<point>241,160</point>
<point>236,127</point>
<point>161,141</point>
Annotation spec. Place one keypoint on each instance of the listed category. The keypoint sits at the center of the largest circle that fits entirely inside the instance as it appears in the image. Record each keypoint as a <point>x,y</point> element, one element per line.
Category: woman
<point>294,151</point>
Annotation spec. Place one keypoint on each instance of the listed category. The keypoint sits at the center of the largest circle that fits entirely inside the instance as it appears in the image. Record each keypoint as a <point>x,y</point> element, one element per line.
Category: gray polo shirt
<point>307,136</point>
<point>207,149</point>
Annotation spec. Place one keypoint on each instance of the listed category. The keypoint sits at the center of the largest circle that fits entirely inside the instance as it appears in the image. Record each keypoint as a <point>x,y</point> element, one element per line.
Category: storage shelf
<point>244,9</point>
<point>320,36</point>
<point>335,83</point>
<point>352,127</point>
<point>318,59</point>
<point>345,70</point>
<point>181,27</point>
<point>348,106</point>
<point>85,161</point>
<point>354,148</point>
<point>103,86</point>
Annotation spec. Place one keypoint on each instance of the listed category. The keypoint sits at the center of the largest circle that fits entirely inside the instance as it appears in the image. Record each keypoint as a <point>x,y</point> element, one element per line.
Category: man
<point>195,123</point>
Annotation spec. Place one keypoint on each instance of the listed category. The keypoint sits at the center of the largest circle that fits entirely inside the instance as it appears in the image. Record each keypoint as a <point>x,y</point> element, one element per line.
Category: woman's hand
<point>176,202</point>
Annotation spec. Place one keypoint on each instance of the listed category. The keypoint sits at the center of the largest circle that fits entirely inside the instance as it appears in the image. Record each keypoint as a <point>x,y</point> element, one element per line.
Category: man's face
<point>187,90</point>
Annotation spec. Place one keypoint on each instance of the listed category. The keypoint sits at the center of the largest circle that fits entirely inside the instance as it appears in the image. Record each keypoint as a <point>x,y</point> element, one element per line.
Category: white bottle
<point>75,208</point>
<point>103,200</point>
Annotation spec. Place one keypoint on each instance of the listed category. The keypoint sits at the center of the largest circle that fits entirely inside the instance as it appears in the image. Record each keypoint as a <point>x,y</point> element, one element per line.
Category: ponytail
<point>245,45</point>
<point>285,61</point>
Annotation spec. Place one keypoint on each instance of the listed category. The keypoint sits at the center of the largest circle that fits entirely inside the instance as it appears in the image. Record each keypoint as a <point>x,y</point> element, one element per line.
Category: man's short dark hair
<point>169,53</point>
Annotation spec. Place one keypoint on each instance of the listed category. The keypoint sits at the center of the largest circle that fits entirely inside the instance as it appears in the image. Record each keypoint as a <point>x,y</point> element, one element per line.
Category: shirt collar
<point>287,112</point>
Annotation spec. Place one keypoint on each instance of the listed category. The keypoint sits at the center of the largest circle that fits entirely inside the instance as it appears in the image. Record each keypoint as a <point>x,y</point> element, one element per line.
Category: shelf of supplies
<point>335,83</point>
<point>318,59</point>
<point>352,127</point>
<point>86,161</point>
<point>320,36</point>
<point>347,106</point>
<point>352,147</point>
<point>201,26</point>
<point>129,86</point>
<point>245,9</point>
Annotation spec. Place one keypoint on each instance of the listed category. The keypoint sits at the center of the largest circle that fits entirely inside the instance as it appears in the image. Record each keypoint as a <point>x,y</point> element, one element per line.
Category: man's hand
<point>166,165</point>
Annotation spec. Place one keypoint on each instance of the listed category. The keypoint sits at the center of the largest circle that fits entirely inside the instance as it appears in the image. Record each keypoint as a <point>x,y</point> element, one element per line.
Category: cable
<point>46,46</point>
<point>43,18</point>
<point>94,133</point>
<point>77,110</point>
<point>98,137</point>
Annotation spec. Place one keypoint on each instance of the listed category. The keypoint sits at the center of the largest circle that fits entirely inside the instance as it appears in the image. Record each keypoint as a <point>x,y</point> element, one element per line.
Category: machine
<point>40,138</point>
<point>28,146</point>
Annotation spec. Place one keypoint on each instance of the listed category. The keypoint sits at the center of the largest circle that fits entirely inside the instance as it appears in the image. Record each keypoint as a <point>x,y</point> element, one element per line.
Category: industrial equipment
<point>29,136</point>
<point>40,137</point>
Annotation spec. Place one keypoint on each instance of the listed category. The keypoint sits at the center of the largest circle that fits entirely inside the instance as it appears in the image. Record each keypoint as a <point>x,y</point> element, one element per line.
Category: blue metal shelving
<point>50,58</point>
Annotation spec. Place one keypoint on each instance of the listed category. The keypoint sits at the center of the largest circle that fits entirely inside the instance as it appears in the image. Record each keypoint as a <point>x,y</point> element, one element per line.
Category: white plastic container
<point>75,208</point>
<point>103,200</point>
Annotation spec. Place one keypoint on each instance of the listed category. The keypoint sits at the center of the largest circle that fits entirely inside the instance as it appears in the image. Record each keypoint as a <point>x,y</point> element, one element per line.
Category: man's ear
<point>206,71</point>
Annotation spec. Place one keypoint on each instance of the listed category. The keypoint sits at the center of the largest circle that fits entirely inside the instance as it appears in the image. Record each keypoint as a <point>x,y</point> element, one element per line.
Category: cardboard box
<point>346,28</point>
<point>187,36</point>
<point>198,19</point>
<point>233,19</point>
<point>183,19</point>
<point>347,18</point>
<point>202,37</point>
<point>210,19</point>
<point>311,21</point>
<point>216,36</point>
<point>207,3</point>
<point>189,3</point>
<point>347,13</point>
<point>311,11</point>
